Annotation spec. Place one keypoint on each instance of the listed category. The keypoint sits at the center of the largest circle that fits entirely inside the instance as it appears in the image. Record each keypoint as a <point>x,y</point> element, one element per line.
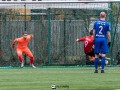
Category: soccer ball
<point>106,61</point>
<point>53,86</point>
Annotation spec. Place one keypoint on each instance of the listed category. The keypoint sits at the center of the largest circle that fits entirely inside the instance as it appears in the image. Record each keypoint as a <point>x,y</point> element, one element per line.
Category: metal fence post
<point>49,37</point>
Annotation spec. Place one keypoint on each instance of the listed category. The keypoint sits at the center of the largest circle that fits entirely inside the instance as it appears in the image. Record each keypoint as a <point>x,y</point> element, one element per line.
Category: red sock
<point>20,58</point>
<point>31,60</point>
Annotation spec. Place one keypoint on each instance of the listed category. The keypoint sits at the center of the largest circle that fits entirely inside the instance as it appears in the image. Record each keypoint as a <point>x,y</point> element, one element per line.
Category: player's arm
<point>108,36</point>
<point>80,39</point>
<point>31,35</point>
<point>14,42</point>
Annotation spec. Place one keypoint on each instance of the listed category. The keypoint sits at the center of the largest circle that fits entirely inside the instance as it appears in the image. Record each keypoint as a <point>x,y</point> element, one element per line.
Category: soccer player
<point>101,31</point>
<point>22,47</point>
<point>88,45</point>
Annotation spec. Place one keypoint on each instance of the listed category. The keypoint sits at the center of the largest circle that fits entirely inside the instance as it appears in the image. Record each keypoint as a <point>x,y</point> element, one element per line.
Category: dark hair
<point>25,32</point>
<point>91,32</point>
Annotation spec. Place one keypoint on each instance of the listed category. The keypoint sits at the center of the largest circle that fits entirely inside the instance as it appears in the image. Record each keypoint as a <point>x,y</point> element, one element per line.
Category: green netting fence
<point>55,26</point>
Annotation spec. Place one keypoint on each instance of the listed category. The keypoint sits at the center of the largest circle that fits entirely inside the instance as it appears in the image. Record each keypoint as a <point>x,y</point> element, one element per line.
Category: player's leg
<point>99,63</point>
<point>103,62</point>
<point>30,55</point>
<point>19,53</point>
<point>96,61</point>
<point>104,50</point>
<point>96,51</point>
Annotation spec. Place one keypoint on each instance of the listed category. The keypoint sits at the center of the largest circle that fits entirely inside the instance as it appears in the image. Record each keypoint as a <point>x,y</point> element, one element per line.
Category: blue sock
<point>103,63</point>
<point>96,63</point>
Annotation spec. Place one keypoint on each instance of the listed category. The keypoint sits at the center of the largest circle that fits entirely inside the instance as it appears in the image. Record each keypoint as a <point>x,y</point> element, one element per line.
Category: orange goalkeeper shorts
<point>25,51</point>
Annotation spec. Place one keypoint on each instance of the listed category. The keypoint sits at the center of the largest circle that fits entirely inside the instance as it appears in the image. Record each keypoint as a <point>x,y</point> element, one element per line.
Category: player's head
<point>25,34</point>
<point>91,32</point>
<point>102,15</point>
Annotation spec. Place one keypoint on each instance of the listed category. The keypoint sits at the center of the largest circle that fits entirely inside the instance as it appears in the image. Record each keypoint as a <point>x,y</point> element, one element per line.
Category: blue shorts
<point>101,46</point>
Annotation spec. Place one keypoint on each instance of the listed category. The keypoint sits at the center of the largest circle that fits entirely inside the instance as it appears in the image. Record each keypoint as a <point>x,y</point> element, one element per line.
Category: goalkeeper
<point>22,47</point>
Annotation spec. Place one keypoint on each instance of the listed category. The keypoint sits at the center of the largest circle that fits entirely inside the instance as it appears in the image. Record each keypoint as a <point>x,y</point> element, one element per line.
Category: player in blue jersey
<point>101,40</point>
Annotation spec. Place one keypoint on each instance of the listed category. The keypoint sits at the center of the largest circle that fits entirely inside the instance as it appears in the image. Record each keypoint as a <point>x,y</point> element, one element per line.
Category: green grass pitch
<point>80,78</point>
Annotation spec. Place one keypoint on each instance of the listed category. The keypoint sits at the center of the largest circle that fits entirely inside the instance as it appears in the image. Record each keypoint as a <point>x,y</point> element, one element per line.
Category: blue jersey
<point>101,28</point>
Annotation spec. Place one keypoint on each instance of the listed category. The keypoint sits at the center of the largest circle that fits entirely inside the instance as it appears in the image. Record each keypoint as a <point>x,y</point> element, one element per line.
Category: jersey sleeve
<point>29,37</point>
<point>82,39</point>
<point>16,40</point>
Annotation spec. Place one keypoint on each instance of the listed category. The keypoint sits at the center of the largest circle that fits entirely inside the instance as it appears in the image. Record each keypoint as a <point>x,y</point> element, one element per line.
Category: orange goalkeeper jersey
<point>22,42</point>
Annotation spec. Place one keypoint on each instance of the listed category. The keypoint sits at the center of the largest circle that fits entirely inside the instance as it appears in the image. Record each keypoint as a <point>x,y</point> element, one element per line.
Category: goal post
<point>55,26</point>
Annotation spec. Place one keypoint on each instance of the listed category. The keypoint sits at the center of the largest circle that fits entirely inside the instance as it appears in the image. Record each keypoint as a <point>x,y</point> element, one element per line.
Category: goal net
<point>55,26</point>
